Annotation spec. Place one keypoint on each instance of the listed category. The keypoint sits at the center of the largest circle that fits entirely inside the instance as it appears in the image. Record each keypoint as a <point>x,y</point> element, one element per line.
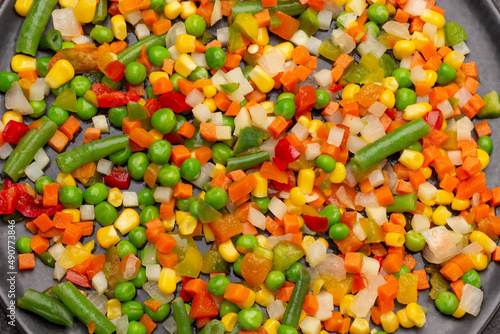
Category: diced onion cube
<point>87,212</point>
<point>41,158</point>
<point>104,166</point>
<point>33,172</point>
<point>130,199</point>
<point>101,123</point>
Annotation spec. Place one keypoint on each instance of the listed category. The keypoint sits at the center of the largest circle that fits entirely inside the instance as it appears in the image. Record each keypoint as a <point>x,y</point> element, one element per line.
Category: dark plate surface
<point>482,22</point>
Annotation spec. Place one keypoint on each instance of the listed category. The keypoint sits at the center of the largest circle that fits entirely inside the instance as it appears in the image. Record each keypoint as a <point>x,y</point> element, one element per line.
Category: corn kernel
<point>324,242</point>
<point>114,309</point>
<point>263,296</point>
<point>387,98</point>
<point>172,10</point>
<point>68,3</point>
<point>317,285</point>
<point>339,173</point>
<point>107,236</point>
<point>459,313</point>
<point>403,49</point>
<point>430,77</point>
<point>345,306</point>
<point>445,125</point>
<point>460,204</point>
<point>432,17</point>
<point>229,321</point>
<point>218,169</point>
<point>11,116</point>
<point>314,125</point>
<point>480,261</point>
<point>483,157</point>
<point>185,43</point>
<point>390,8</point>
<point>297,197</point>
<point>305,180</point>
<point>127,220</point>
<point>287,49</point>
<point>85,10</point>
<point>184,64</point>
<point>293,209</point>
<point>22,7</point>
<point>440,215</point>
<point>119,27</point>
<point>269,106</point>
<point>209,91</point>
<point>64,180</point>
<point>389,322</point>
<point>412,159</point>
<point>403,319</point>
<point>428,212</point>
<point>186,222</point>
<point>21,63</point>
<point>249,302</point>
<point>394,239</point>
<point>440,39</point>
<point>260,189</point>
<point>188,8</point>
<point>340,2</point>
<point>455,59</point>
<point>484,240</point>
<point>115,197</point>
<point>426,171</point>
<point>261,79</point>
<point>155,133</point>
<point>307,241</point>
<point>75,213</point>
<point>303,315</point>
<point>59,74</point>
<point>415,314</point>
<point>210,103</point>
<point>168,281</point>
<point>350,90</point>
<point>153,76</point>
<point>261,240</point>
<point>141,101</point>
<point>391,84</point>
<point>360,326</point>
<point>417,110</point>
<point>421,40</point>
<point>271,326</point>
<point>304,121</point>
<point>228,251</point>
<point>208,233</point>
<point>444,197</point>
<point>262,37</point>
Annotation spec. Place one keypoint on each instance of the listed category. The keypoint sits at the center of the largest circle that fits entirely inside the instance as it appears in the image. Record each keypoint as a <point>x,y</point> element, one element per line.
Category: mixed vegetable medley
<point>314,164</point>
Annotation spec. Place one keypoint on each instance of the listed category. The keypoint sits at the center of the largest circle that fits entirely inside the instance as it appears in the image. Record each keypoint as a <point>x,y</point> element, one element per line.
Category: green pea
<point>146,197</point>
<point>216,197</point>
<point>292,273</point>
<point>148,214</point>
<point>326,163</point>
<point>446,74</point>
<point>62,88</point>
<point>402,76</point>
<point>195,25</point>
<point>338,232</point>
<point>135,73</point>
<point>116,115</point>
<point>193,209</point>
<point>285,108</point>
<point>228,307</point>
<point>150,93</point>
<point>136,327</point>
<point>249,319</point>
<point>95,194</point>
<point>105,213</point>
<point>137,236</point>
<point>322,99</point>
<point>217,285</point>
<point>169,176</point>
<point>262,203</point>
<point>403,270</point>
<point>23,245</point>
<point>246,242</point>
<point>125,291</point>
<point>415,146</point>
<point>446,302</point>
<point>404,98</point>
<point>215,57</point>
<point>286,329</point>
<point>183,204</point>
<point>472,277</point>
<point>67,45</point>
<point>378,13</point>
<point>160,314</point>
<point>71,197</point>
<point>6,80</point>
<point>137,165</point>
<point>191,169</point>
<point>163,120</point>
<point>220,153</point>
<point>284,96</point>
<point>110,83</point>
<point>57,115</point>
<point>125,247</point>
<point>486,144</point>
<point>198,73</point>
<point>275,280</point>
<point>414,241</point>
<point>80,85</point>
<point>140,279</point>
<point>159,152</point>
<point>41,182</point>
<point>38,108</point>
<point>174,78</point>
<point>41,66</point>
<point>101,34</point>
<point>333,214</point>
<point>85,109</point>
<point>237,265</point>
<point>121,157</point>
<point>372,29</point>
<point>157,54</point>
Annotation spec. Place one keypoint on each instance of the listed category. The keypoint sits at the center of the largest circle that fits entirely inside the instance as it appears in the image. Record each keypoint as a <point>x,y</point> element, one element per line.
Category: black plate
<point>480,18</point>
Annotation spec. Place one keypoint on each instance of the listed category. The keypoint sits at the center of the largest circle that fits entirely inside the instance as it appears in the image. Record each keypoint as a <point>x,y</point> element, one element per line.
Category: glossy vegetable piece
<point>81,59</point>
<point>254,268</point>
<point>286,253</point>
<point>214,263</point>
<point>294,306</point>
<point>492,107</point>
<point>191,264</point>
<point>131,53</point>
<point>48,307</point>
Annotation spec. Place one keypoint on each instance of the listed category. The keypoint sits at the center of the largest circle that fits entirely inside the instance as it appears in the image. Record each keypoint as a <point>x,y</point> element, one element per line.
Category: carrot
<point>222,101</point>
<point>205,11</point>
<point>417,60</point>
<point>256,96</point>
<point>277,126</point>
<point>334,323</point>
<point>470,69</point>
<point>214,43</point>
<point>168,66</point>
<point>91,134</point>
<point>50,194</point>
<point>167,260</point>
<point>352,262</point>
<point>126,6</point>
<point>70,127</point>
<point>344,60</point>
<point>58,141</point>
<point>433,63</point>
<point>144,59</point>
<point>457,288</point>
<point>301,72</point>
<point>226,8</point>
<point>496,254</point>
<point>39,244</point>
<point>263,18</point>
<point>162,86</point>
<point>195,286</point>
<point>387,292</point>
<point>269,3</point>
<point>300,55</point>
<point>291,223</point>
<point>87,227</point>
<point>167,209</point>
<point>72,234</point>
<point>179,154</point>
<point>442,165</point>
<point>236,175</point>
<point>153,304</point>
<point>337,73</point>
<point>464,262</point>
<point>376,315</point>
<point>242,187</point>
<point>149,17</point>
<point>233,109</point>
<point>208,131</point>
<point>384,196</point>
<point>358,33</point>
<point>29,75</point>
<point>366,187</point>
<point>401,16</point>
<point>148,323</point>
<point>236,293</point>
<point>392,263</point>
<point>311,305</point>
<point>186,130</point>
<point>183,190</point>
<point>495,194</point>
<point>88,170</point>
<point>472,165</point>
<point>203,154</point>
<point>165,243</point>
<point>62,219</point>
<point>248,228</point>
<point>285,292</point>
<point>410,262</point>
<point>483,129</point>
<point>468,188</point>
<point>232,61</point>
<point>471,85</point>
<point>43,222</point>
<point>31,226</point>
<point>476,102</point>
<point>346,323</point>
<point>423,88</point>
<point>451,271</point>
<point>386,305</point>
<point>26,261</point>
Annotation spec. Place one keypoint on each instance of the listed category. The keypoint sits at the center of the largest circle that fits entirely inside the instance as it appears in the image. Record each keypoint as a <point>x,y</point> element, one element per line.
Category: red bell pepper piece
<point>334,88</point>
<point>152,105</point>
<point>113,9</point>
<point>203,306</point>
<point>358,283</point>
<point>114,99</point>
<point>435,119</point>
<point>115,70</point>
<point>14,131</point>
<point>186,296</point>
<point>285,151</point>
<point>392,113</point>
<point>380,260</point>
<point>120,180</point>
<point>95,265</point>
<point>280,164</point>
<point>77,279</point>
<point>30,204</point>
<point>99,88</point>
<point>8,200</point>
<point>173,138</point>
<point>133,96</point>
<point>305,99</point>
<point>316,224</point>
<point>7,184</point>
<point>175,101</point>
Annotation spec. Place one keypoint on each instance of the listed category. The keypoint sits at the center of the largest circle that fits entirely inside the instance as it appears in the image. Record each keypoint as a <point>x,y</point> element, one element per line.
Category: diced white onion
<point>257,218</point>
<point>313,151</point>
<point>335,136</point>
<point>463,96</point>
<point>133,17</point>
<point>258,113</point>
<point>199,59</point>
<point>332,265</point>
<point>415,7</point>
<point>65,21</point>
<point>100,283</point>
<point>427,191</point>
<point>15,100</point>
<point>313,45</point>
<point>276,309</point>
<point>153,272</point>
<point>194,98</point>
<point>33,172</point>
<point>104,166</point>
<point>278,208</point>
<point>376,178</point>
<point>56,250</point>
<point>369,267</point>
<point>420,223</point>
<point>59,271</point>
<point>310,325</point>
<point>377,213</point>
<point>216,13</point>
<point>455,157</point>
<point>354,144</point>
<point>471,300</point>
<point>323,78</point>
<point>373,129</point>
<point>325,306</point>
<point>101,123</point>
<point>130,198</point>
<point>300,131</point>
<point>299,38</point>
<point>100,301</point>
<point>202,113</point>
<point>417,74</point>
<point>87,212</point>
<point>272,61</point>
<point>154,292</point>
<point>242,120</point>
<point>223,36</point>
<point>446,109</point>
<point>371,47</point>
<point>398,29</point>
<point>177,29</point>
<point>315,253</point>
<point>163,194</point>
<point>325,19</point>
<point>141,31</point>
<point>459,224</point>
<point>223,132</point>
<point>462,48</point>
<point>41,158</point>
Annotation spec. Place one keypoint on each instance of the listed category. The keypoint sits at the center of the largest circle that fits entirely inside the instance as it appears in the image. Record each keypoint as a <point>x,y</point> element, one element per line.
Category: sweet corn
<point>208,233</point>
<point>350,90</point>
<point>11,116</point>
<point>262,37</point>
<point>249,302</point>
<point>21,63</point>
<point>188,8</point>
<point>209,91</point>
<point>287,49</point>
<point>339,173</point>
<point>261,240</point>
<point>403,49</point>
<point>228,251</point>
<point>430,77</point>
<point>445,125</point>
<point>59,74</point>
<point>323,240</point>
<point>387,98</point>
<point>391,84</point>
<point>415,314</point>
<point>303,315</point>
<point>157,75</point>
<point>115,197</point>
<point>22,7</point>
<point>483,157</point>
<point>271,326</point>
<point>460,204</point>
<point>168,281</point>
<point>403,319</point>
<point>480,261</point>
<point>314,125</point>
<point>218,169</point>
<point>85,10</point>
<point>263,296</point>
<point>360,326</point>
<point>412,159</point>
<point>440,39</point>
<point>421,40</point>
<point>389,322</point>
<point>455,59</point>
<point>260,189</point>
<point>261,79</point>
<point>444,197</point>
<point>269,106</point>
<point>172,10</point>
<point>484,240</point>
<point>297,197</point>
<point>185,43</point>
<point>428,212</point>
<point>317,285</point>
<point>394,239</point>
<point>229,321</point>
<point>390,8</point>
<point>360,5</point>
<point>186,222</point>
<point>155,133</point>
<point>304,121</point>
<point>305,180</point>
<point>119,27</point>
<point>307,241</point>
<point>459,313</point>
<point>340,2</point>
<point>428,202</point>
<point>345,306</point>
<point>184,64</point>
<point>432,17</point>
<point>210,103</point>
<point>114,309</point>
<point>64,180</point>
<point>426,171</point>
<point>75,213</point>
<point>127,220</point>
<point>67,3</point>
<point>107,236</point>
<point>417,110</point>
<point>141,101</point>
<point>440,215</point>
<point>293,209</point>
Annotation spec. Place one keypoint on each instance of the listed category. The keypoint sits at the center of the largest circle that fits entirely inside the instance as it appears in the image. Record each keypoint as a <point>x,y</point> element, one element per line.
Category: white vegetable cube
<point>235,75</point>
<point>163,194</point>
<point>257,218</point>
<point>223,132</point>
<point>315,253</point>
<point>420,223</point>
<point>153,272</point>
<point>378,213</point>
<point>37,90</point>
<point>217,118</point>
<point>323,78</point>
<point>65,21</point>
<point>245,87</point>
<point>33,172</point>
<point>41,158</point>
<point>202,113</point>
<point>258,113</point>
<point>56,250</point>
<point>313,45</point>
<point>325,303</point>
<point>219,78</point>
<point>133,17</point>
<point>174,54</point>
<point>101,123</point>
<point>278,208</point>
<point>81,39</point>
<point>141,31</point>
<point>310,325</point>
<point>223,36</point>
<point>130,199</point>
<point>87,213</point>
<point>299,38</point>
<point>194,98</point>
<point>313,151</point>
<point>100,283</point>
<point>104,166</point>
<point>427,191</point>
<point>242,120</point>
<point>59,271</point>
<point>325,19</point>
<point>199,59</point>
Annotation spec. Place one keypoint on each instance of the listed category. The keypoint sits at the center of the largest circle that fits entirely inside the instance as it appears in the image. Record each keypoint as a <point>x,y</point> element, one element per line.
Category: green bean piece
<point>101,12</point>
<point>292,8</point>
<point>181,316</point>
<point>52,40</point>
<point>247,161</point>
<point>47,259</point>
<point>403,203</point>
<point>294,307</point>
<point>45,306</point>
<point>131,53</point>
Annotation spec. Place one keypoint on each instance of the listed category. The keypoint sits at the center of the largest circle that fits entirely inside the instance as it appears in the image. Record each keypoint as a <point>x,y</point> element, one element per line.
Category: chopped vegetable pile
<point>316,168</point>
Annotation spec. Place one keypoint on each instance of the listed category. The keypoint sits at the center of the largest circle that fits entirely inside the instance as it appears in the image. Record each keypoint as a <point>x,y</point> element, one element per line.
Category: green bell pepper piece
<point>249,138</point>
<point>286,253</point>
<point>329,50</point>
<point>454,33</point>
<point>214,263</point>
<point>492,107</point>
<point>309,21</point>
